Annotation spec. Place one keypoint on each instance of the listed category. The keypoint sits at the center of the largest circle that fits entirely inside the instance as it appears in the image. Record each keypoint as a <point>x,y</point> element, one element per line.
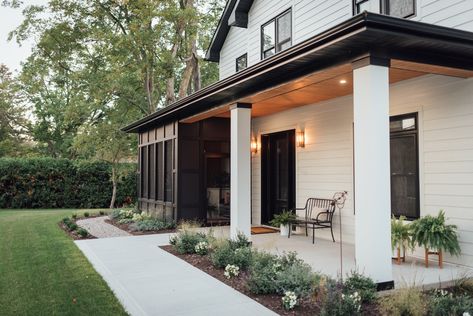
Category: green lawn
<point>42,272</point>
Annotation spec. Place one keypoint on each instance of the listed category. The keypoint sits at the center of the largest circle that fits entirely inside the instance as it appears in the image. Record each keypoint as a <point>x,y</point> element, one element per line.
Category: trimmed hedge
<point>62,183</point>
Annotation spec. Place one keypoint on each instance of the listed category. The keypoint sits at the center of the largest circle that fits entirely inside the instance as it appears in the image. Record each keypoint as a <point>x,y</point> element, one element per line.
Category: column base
<point>384,286</point>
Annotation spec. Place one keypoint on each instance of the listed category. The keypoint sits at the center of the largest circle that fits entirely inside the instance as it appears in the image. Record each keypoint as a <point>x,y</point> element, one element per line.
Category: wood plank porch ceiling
<point>322,86</point>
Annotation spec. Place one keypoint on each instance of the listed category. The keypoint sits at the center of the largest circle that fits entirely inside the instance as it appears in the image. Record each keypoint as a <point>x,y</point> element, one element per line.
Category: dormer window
<point>276,35</point>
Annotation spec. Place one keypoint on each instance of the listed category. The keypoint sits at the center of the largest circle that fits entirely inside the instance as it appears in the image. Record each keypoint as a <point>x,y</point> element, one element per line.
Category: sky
<point>11,54</point>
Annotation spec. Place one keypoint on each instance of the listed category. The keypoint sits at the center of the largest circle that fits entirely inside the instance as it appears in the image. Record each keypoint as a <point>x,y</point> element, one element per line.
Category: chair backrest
<point>314,205</point>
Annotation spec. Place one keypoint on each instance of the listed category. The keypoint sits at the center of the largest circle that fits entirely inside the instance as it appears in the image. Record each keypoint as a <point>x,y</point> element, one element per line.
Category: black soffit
<point>364,34</point>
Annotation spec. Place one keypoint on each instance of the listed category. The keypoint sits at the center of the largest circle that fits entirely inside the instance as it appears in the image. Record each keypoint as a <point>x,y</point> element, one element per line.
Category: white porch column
<point>372,169</point>
<point>240,176</point>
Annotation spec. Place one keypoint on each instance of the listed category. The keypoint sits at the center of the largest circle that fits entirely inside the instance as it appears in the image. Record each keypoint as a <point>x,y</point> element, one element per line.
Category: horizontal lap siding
<point>449,13</point>
<point>445,107</point>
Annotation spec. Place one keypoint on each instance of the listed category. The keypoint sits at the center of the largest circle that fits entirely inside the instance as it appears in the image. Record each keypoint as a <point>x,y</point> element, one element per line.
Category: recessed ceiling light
<point>343,81</point>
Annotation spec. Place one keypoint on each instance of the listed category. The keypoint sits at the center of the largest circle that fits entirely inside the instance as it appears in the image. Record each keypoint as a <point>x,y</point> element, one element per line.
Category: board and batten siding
<point>325,165</point>
<point>310,17</point>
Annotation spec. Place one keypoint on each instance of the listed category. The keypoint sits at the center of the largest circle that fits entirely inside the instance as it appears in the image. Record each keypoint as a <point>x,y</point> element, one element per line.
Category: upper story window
<point>276,35</point>
<point>241,62</point>
<point>396,8</point>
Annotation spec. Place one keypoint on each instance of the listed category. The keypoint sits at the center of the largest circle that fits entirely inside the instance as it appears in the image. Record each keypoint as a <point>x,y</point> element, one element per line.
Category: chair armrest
<point>320,213</point>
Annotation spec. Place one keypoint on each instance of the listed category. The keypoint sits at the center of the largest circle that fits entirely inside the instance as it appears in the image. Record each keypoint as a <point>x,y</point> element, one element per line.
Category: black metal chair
<point>323,219</point>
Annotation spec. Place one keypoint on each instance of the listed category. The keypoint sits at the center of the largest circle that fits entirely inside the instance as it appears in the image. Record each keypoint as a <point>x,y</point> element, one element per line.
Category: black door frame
<point>266,213</point>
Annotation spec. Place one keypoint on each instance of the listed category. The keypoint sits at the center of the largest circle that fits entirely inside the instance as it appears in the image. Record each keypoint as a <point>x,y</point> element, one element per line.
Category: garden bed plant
<point>139,223</point>
<point>288,286</point>
<point>69,225</point>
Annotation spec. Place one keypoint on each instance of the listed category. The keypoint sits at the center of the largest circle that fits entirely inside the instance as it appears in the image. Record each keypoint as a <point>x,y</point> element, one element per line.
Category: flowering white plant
<point>354,299</point>
<point>289,300</point>
<point>202,248</point>
<point>466,314</point>
<point>231,271</point>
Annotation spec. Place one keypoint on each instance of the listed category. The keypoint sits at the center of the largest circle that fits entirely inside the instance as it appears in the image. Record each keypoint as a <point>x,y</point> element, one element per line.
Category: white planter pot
<point>284,229</point>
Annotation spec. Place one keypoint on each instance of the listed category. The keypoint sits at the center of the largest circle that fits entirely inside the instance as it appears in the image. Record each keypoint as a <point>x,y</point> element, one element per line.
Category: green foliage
<point>74,216</point>
<point>241,241</point>
<point>72,226</point>
<point>364,286</point>
<point>61,183</point>
<point>82,232</point>
<point>433,233</point>
<point>400,233</point>
<point>463,285</point>
<point>86,214</point>
<point>443,303</point>
<point>283,218</point>
<point>152,224</point>
<point>186,240</point>
<point>101,213</point>
<point>407,301</point>
<point>226,253</point>
<point>335,301</point>
<point>273,274</point>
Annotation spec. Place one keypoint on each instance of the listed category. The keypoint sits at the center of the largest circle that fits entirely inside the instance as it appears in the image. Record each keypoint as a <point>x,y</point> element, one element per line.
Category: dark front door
<point>404,166</point>
<point>278,174</point>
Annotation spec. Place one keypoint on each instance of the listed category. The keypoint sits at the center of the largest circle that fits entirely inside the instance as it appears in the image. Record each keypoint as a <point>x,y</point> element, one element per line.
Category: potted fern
<point>282,220</point>
<point>400,238</point>
<point>432,233</point>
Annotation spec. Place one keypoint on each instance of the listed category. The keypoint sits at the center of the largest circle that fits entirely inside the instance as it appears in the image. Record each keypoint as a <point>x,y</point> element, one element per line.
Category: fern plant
<point>431,232</point>
<point>400,233</point>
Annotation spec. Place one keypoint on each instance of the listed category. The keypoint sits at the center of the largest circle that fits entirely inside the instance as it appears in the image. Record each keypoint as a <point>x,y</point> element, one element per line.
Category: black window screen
<point>168,171</point>
<point>152,173</point>
<point>160,172</point>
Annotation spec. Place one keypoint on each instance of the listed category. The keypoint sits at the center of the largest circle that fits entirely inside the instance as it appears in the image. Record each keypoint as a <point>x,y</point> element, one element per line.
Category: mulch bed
<point>126,227</point>
<point>73,234</point>
<point>273,302</point>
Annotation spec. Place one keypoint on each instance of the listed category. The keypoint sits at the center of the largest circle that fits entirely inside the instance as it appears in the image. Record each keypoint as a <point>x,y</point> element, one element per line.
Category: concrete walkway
<point>150,281</point>
<point>99,228</point>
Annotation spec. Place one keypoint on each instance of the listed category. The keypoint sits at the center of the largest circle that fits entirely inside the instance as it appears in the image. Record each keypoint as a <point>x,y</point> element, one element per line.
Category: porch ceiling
<point>321,86</point>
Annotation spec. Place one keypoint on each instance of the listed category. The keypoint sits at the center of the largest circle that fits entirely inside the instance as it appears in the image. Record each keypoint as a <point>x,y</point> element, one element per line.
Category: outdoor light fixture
<point>300,139</point>
<point>254,146</point>
<point>343,81</point>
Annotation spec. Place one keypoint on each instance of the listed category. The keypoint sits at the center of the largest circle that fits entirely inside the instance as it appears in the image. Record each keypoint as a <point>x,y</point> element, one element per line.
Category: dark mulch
<point>126,227</point>
<point>306,306</point>
<point>73,234</point>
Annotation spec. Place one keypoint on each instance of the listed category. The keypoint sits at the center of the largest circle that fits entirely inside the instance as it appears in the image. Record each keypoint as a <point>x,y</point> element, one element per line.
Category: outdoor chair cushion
<point>300,214</point>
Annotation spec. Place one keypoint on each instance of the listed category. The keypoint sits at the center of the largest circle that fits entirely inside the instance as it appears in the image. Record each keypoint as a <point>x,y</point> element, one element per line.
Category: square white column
<point>372,171</point>
<point>240,170</point>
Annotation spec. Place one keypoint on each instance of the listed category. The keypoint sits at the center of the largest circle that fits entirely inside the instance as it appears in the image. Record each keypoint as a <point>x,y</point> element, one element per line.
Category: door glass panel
<point>282,168</point>
<point>218,188</point>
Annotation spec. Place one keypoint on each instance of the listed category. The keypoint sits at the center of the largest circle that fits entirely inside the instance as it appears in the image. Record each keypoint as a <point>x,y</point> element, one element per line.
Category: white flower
<point>466,314</point>
<point>231,271</point>
<point>201,248</point>
<point>289,300</point>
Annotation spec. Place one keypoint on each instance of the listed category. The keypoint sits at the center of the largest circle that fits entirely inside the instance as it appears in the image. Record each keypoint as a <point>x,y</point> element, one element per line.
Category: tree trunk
<point>114,187</point>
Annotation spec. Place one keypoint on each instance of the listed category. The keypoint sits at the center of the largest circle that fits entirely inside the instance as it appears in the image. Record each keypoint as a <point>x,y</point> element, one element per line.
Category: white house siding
<point>324,166</point>
<point>311,17</point>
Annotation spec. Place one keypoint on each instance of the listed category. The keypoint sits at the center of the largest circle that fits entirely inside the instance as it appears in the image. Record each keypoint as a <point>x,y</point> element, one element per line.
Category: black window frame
<point>414,115</point>
<point>277,44</point>
<point>384,7</point>
<point>237,69</point>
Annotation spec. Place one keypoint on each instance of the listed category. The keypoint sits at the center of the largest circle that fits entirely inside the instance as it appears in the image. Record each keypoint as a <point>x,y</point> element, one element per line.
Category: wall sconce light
<point>254,146</point>
<point>300,139</point>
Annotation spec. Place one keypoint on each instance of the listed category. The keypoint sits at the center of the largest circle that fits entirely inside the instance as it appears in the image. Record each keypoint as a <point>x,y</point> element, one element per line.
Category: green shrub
<point>115,214</point>
<point>67,221</point>
<point>86,214</point>
<point>101,213</point>
<point>151,224</point>
<point>229,252</point>
<point>72,226</point>
<point>241,241</point>
<point>444,303</point>
<point>74,216</point>
<point>272,274</point>
<point>187,240</point>
<point>408,301</point>
<point>61,183</point>
<point>361,284</point>
<point>463,285</point>
<point>82,232</point>
<point>334,302</point>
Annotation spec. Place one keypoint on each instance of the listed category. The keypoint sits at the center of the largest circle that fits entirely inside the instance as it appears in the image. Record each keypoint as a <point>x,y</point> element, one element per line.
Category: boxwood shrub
<point>62,183</point>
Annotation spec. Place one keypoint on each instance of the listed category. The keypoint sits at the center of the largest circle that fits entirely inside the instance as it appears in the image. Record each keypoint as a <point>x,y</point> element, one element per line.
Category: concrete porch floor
<point>324,257</point>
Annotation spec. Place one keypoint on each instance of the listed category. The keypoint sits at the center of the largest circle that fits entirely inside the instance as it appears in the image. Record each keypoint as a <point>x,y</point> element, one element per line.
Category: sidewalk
<point>150,281</point>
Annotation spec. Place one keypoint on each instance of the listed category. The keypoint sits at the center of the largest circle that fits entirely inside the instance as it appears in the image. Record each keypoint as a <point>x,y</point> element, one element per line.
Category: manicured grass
<point>42,272</point>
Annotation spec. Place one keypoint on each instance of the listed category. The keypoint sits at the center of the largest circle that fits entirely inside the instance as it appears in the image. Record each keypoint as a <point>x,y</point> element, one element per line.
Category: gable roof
<point>234,14</point>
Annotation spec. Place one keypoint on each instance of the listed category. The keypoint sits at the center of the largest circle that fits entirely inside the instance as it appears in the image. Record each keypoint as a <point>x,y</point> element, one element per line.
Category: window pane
<point>241,62</point>
<point>362,6</point>
<point>160,173</point>
<point>404,124</point>
<point>168,174</point>
<point>401,8</point>
<point>144,172</point>
<point>268,53</point>
<point>284,27</point>
<point>269,36</point>
<point>152,173</point>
